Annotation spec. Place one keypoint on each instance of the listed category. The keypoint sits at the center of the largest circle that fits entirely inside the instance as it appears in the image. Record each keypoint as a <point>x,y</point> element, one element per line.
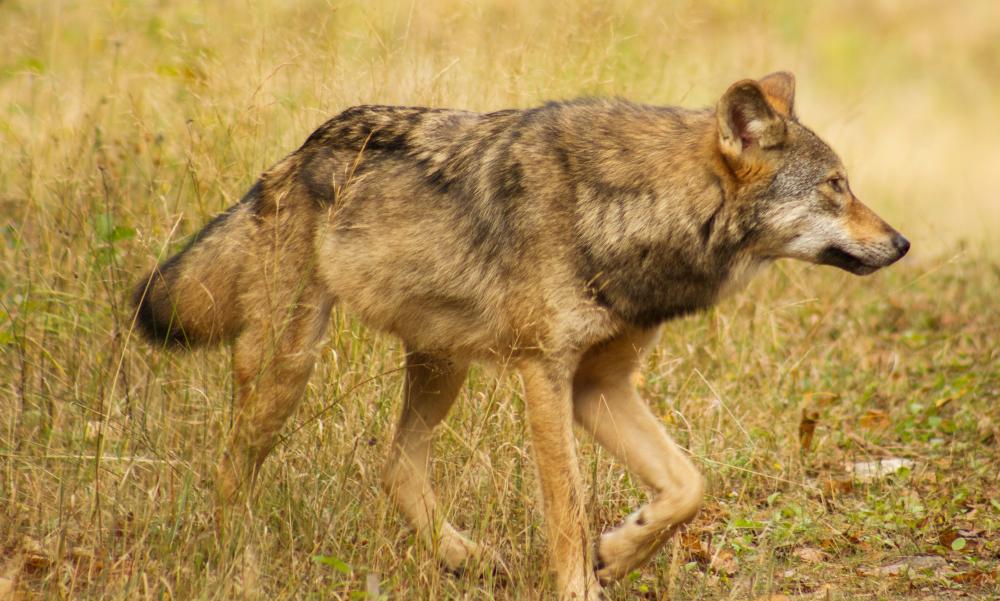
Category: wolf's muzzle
<point>901,244</point>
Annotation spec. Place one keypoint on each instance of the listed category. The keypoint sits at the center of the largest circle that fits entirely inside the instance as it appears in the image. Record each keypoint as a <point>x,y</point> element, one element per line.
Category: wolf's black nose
<point>902,244</point>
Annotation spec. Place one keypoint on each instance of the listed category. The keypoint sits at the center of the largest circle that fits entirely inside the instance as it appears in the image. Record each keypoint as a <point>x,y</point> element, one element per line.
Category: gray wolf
<point>557,239</point>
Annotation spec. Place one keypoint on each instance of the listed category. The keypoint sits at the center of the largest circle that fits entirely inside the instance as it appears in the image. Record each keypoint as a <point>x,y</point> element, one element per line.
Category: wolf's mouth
<point>839,257</point>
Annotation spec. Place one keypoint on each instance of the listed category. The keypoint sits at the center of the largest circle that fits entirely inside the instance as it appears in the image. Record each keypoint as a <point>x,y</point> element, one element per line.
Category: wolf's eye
<point>837,183</point>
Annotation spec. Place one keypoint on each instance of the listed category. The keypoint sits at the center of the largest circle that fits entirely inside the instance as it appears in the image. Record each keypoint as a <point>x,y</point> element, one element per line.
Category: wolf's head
<point>792,188</point>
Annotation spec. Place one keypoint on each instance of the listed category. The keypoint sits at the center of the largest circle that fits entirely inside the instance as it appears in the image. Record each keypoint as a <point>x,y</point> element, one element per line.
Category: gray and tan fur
<point>557,238</point>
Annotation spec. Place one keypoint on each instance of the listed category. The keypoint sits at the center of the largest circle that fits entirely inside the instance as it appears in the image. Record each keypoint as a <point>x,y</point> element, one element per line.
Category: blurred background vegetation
<point>907,91</point>
<point>124,125</point>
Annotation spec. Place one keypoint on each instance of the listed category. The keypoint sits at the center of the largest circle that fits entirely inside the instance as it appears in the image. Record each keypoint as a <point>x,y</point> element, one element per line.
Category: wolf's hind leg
<point>607,405</point>
<point>272,360</point>
<point>432,384</point>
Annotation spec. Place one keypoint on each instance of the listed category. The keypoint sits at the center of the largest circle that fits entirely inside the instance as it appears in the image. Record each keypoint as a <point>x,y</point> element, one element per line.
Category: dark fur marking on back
<point>510,184</point>
<point>439,181</point>
<point>316,175</point>
<point>508,175</point>
<point>386,140</point>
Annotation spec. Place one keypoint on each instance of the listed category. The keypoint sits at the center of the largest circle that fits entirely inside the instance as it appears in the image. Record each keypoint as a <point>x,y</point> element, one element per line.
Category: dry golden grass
<point>125,125</point>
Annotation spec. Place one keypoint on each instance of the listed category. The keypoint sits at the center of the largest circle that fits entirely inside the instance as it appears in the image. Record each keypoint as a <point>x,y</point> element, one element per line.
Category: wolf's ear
<point>780,91</point>
<point>747,120</point>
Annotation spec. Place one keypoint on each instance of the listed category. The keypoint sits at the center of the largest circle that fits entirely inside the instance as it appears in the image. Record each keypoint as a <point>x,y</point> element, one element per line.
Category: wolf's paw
<point>585,591</point>
<point>453,549</point>
<point>482,563</point>
<point>621,549</point>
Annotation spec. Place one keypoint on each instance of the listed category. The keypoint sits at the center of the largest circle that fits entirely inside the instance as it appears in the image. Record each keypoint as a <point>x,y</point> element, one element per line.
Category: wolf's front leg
<point>607,405</point>
<point>548,396</point>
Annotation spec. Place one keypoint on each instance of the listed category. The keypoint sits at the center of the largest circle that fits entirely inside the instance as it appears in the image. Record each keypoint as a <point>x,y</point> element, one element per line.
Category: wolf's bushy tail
<point>192,298</point>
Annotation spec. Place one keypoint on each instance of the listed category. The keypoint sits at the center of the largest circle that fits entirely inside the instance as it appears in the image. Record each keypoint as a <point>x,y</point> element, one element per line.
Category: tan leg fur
<point>548,396</point>
<point>432,384</point>
<point>287,313</point>
<point>607,405</point>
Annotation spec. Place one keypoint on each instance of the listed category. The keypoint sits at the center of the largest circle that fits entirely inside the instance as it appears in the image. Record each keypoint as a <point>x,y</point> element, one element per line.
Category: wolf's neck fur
<point>658,234</point>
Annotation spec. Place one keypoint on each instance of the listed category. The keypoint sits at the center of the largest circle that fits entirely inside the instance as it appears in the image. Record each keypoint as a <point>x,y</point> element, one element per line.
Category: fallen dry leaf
<point>695,548</point>
<point>821,399</point>
<point>809,554</point>
<point>807,428</point>
<point>949,536</point>
<point>725,563</point>
<point>875,420</point>
<point>36,562</point>
<point>833,487</point>
<point>974,577</point>
<point>830,545</point>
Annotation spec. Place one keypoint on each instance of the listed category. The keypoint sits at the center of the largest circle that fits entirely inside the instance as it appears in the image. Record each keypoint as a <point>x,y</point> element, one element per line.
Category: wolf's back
<point>192,298</point>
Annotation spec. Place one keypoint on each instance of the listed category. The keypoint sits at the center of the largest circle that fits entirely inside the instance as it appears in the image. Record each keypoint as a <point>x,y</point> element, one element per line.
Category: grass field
<point>125,125</point>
